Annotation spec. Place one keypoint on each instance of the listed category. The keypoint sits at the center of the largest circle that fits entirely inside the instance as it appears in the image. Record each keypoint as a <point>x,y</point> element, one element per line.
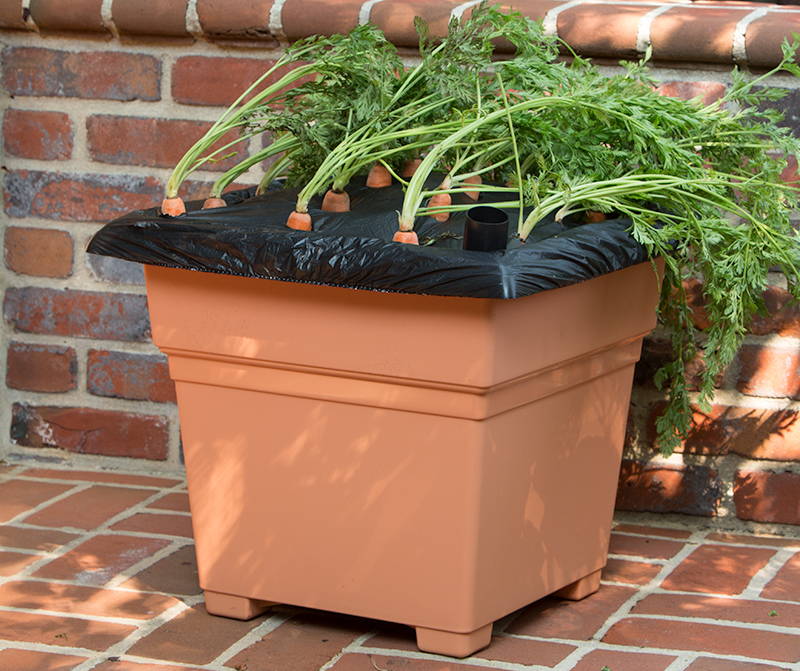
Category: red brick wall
<point>93,123</point>
<point>91,128</point>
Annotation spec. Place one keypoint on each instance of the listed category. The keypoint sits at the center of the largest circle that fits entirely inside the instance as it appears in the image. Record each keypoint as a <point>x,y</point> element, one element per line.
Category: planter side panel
<point>333,506</point>
<point>549,475</point>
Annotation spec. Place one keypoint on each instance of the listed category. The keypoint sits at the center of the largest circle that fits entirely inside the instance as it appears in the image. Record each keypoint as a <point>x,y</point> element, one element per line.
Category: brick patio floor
<point>97,572</point>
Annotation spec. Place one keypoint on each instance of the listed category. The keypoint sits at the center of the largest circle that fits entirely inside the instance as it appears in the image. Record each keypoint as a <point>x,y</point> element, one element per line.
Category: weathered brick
<point>657,353</point>
<point>769,371</point>
<point>83,15</point>
<point>41,252</point>
<point>788,106</point>
<point>212,80</point>
<point>140,377</point>
<point>763,38</point>
<point>783,314</point>
<point>45,368</point>
<point>709,30</point>
<point>790,173</point>
<point>614,28</point>
<point>226,20</point>
<point>767,496</point>
<point>752,432</point>
<point>692,490</point>
<point>46,136</point>
<point>70,197</point>
<point>115,270</point>
<point>108,75</point>
<point>312,17</point>
<point>198,190</point>
<point>125,140</point>
<point>83,314</point>
<point>396,19</point>
<point>90,431</point>
<point>707,92</point>
<point>11,15</point>
<point>697,303</point>
<point>149,17</point>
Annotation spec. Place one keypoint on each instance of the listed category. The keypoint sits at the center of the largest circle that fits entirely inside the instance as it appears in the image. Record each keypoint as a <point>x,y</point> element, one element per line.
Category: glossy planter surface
<point>433,461</point>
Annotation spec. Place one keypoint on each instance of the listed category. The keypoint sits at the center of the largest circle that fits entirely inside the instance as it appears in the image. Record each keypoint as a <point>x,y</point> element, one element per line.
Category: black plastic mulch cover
<point>354,249</point>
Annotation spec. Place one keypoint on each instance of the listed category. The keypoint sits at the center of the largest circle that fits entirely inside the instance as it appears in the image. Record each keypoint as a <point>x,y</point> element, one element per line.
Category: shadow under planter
<point>430,460</point>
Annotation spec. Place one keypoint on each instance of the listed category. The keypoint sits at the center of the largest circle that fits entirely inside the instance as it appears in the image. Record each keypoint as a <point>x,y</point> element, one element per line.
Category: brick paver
<point>722,640</point>
<point>631,572</point>
<point>100,559</point>
<point>637,546</point>
<point>623,661</point>
<point>115,588</point>
<point>175,501</point>
<point>718,569</point>
<point>38,595</point>
<point>19,496</point>
<point>174,574</point>
<point>786,584</point>
<point>14,562</point>
<point>579,620</point>
<point>33,660</point>
<point>193,637</point>
<point>88,509</point>
<point>171,525</point>
<point>33,539</point>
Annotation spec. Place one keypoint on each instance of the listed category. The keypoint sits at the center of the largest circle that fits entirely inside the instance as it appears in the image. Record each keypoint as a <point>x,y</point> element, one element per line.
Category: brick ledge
<point>705,32</point>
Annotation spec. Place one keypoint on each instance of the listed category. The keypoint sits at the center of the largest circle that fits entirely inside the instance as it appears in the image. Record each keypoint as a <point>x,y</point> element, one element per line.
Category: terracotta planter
<point>433,461</point>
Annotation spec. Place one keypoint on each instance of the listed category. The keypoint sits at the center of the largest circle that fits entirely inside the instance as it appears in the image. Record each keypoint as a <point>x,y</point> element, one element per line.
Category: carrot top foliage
<point>699,183</point>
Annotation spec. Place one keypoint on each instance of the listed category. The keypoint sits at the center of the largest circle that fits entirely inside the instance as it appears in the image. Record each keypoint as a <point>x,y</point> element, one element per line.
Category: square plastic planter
<point>433,461</point>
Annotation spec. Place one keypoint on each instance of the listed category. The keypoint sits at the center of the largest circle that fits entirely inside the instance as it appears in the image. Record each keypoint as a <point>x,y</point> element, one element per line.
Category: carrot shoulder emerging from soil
<point>474,179</point>
<point>410,167</point>
<point>379,177</point>
<point>408,237</point>
<point>440,200</point>
<point>213,202</point>
<point>173,206</point>
<point>299,221</point>
<point>336,201</point>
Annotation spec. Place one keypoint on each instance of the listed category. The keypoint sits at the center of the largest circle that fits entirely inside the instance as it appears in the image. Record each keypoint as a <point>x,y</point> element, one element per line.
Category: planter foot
<point>237,607</point>
<point>582,588</point>
<point>452,643</point>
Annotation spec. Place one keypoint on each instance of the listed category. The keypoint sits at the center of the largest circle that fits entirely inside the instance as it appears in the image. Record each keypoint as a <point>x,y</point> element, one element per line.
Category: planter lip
<point>249,239</point>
